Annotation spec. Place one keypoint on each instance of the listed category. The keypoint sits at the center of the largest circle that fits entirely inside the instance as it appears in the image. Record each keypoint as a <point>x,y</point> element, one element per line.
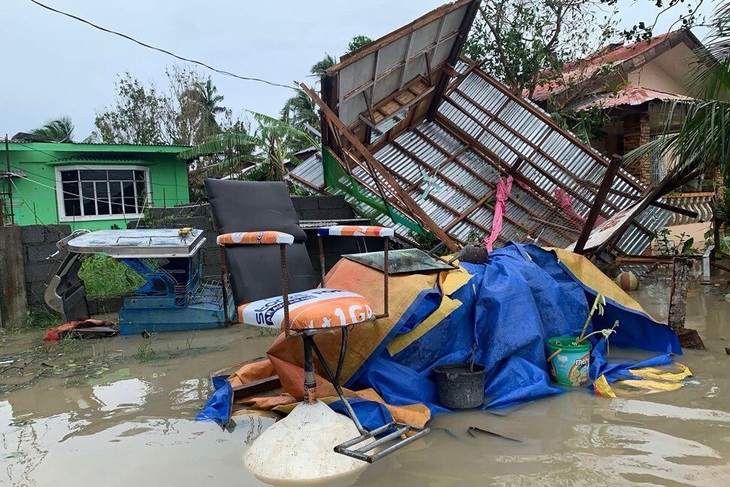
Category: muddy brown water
<point>132,424</point>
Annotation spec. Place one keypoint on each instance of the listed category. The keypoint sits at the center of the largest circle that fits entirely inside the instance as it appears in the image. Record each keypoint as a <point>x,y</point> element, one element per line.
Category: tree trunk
<point>678,296</point>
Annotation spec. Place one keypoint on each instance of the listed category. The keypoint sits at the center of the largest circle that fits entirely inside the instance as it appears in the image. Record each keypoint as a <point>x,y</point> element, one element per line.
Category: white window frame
<point>118,216</point>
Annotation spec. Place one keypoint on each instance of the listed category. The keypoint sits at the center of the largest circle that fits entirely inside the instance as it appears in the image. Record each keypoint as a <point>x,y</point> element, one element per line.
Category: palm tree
<point>328,60</point>
<point>58,130</point>
<point>256,156</point>
<point>209,101</point>
<point>321,66</point>
<point>300,112</point>
<point>702,142</point>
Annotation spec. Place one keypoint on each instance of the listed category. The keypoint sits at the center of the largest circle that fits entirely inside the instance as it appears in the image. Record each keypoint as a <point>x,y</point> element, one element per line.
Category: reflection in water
<point>136,428</point>
<point>129,394</point>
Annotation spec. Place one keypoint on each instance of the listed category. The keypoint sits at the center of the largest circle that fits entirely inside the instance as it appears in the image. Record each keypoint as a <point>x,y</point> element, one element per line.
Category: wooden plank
<point>256,387</point>
<point>443,82</point>
<point>383,172</point>
<point>597,204</point>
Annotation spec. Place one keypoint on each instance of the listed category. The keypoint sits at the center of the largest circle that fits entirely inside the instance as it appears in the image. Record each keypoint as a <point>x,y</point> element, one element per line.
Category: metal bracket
<point>394,439</point>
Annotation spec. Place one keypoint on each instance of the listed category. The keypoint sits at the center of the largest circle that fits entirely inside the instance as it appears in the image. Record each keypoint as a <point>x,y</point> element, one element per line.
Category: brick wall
<point>637,132</point>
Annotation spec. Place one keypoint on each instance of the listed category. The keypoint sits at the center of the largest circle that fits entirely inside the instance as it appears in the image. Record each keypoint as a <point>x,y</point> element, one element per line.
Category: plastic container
<point>569,367</point>
<point>458,386</point>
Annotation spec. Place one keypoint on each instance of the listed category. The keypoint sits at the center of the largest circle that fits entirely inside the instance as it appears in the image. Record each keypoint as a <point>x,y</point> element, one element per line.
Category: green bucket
<point>569,362</point>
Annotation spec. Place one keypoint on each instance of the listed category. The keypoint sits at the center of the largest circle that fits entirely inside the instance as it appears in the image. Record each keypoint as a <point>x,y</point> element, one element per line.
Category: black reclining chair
<point>260,234</point>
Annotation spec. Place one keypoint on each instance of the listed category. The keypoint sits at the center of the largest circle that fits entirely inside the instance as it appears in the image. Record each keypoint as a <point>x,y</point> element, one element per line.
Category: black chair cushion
<point>252,206</point>
<point>255,270</point>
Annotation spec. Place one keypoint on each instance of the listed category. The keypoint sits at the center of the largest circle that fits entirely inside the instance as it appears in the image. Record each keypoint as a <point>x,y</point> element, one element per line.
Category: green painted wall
<point>35,195</point>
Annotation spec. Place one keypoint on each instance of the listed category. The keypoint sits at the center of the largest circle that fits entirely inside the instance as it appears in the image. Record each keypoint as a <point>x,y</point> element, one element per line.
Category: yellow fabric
<point>602,388</point>
<point>653,380</point>
<point>655,373</point>
<point>449,282</point>
<point>584,270</point>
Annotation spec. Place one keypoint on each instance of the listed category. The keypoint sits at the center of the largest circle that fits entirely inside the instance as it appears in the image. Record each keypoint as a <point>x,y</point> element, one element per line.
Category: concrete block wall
<point>39,243</point>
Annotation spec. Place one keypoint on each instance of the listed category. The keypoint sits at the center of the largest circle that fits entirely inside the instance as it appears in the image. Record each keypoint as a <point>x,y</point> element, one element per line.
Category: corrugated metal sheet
<point>629,96</point>
<point>309,170</point>
<point>450,168</point>
<point>371,75</point>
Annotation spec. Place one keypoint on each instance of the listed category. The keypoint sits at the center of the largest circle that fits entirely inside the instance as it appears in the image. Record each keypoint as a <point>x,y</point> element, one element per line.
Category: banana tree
<point>259,155</point>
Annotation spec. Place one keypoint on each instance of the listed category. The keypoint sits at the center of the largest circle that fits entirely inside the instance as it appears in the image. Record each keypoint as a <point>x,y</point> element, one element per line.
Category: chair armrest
<point>355,231</point>
<point>255,238</point>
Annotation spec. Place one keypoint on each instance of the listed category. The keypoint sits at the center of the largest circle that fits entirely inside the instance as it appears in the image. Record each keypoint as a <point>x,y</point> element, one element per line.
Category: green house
<point>92,186</point>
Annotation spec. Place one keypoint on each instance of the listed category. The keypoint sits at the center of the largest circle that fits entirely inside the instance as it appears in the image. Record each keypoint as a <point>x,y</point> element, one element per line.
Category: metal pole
<point>10,186</point>
<point>285,288</point>
<point>310,384</point>
<point>320,244</point>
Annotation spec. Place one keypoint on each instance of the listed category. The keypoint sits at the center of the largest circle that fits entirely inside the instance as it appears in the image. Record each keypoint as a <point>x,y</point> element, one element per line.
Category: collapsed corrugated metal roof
<point>629,96</point>
<point>435,146</point>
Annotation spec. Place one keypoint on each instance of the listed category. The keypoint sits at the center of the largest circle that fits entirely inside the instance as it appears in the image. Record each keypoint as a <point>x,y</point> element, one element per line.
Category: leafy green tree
<point>257,155</point>
<point>525,43</point>
<point>357,42</point>
<point>57,130</point>
<point>319,68</point>
<point>186,112</point>
<point>300,112</point>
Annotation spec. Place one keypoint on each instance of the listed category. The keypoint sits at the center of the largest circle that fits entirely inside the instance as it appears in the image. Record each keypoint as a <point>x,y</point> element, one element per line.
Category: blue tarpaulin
<point>509,308</point>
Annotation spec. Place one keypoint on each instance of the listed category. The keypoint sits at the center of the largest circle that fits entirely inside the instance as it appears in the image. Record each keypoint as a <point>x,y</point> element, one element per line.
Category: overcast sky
<point>54,66</point>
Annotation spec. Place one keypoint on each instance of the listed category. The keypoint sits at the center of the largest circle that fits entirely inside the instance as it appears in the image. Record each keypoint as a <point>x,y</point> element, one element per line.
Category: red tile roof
<point>609,55</point>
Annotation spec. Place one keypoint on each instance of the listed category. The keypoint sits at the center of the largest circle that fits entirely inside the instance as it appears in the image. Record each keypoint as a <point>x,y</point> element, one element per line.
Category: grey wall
<point>12,278</point>
<point>39,243</point>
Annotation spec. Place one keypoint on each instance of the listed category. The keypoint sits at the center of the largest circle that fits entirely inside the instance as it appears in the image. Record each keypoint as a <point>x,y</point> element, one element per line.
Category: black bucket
<point>459,387</point>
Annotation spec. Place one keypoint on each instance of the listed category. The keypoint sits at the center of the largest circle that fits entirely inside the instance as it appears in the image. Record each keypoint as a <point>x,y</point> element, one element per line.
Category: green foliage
<point>185,112</point>
<point>104,276</point>
<point>256,156</point>
<point>587,124</point>
<point>41,317</point>
<point>300,112</point>
<point>526,43</point>
<point>145,352</point>
<point>427,242</point>
<point>357,42</point>
<point>319,68</point>
<point>669,247</point>
<point>57,130</point>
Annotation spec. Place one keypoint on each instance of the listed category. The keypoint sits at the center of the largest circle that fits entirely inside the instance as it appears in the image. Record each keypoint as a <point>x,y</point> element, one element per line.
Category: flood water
<point>129,421</point>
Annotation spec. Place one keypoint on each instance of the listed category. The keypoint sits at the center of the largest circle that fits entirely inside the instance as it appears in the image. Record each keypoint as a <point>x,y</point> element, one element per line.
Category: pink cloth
<point>566,204</point>
<point>504,188</point>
